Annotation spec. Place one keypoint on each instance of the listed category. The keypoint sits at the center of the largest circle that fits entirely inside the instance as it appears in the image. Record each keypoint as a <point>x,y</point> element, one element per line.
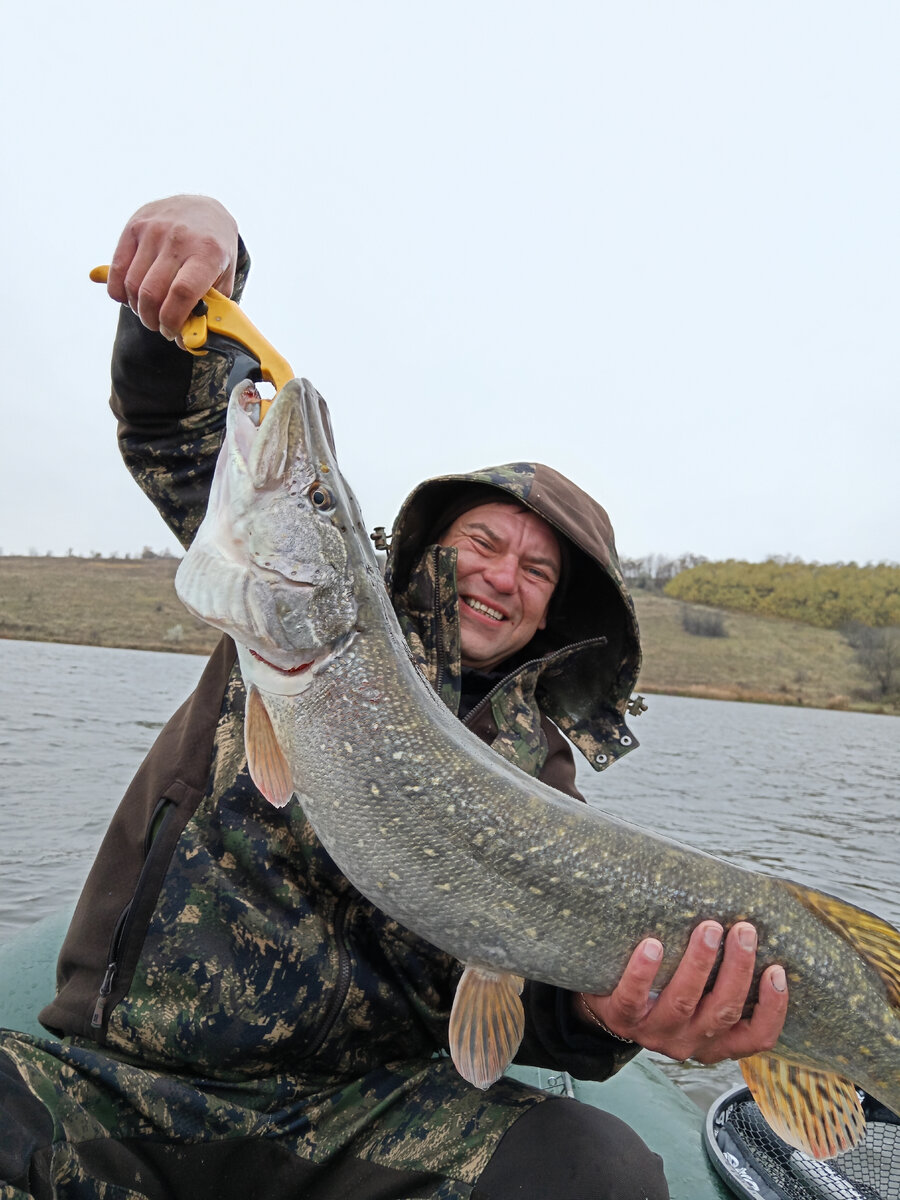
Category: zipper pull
<point>103,998</point>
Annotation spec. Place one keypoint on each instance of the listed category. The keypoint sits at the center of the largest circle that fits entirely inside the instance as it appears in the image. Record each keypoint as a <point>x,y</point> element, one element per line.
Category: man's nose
<point>502,572</point>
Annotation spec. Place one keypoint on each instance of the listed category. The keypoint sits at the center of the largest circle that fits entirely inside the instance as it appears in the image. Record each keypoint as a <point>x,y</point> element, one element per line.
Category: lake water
<point>810,794</point>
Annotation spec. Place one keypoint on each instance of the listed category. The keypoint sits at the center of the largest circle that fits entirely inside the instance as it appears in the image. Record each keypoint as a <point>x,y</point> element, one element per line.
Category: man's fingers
<point>629,1001</point>
<point>680,997</point>
<point>757,1033</point>
<point>148,286</point>
<point>724,1005</point>
<point>170,254</point>
<point>767,1019</point>
<point>189,284</point>
<point>119,266</point>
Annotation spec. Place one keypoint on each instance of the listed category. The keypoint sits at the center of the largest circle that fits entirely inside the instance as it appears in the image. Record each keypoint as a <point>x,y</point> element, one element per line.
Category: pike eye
<point>320,497</point>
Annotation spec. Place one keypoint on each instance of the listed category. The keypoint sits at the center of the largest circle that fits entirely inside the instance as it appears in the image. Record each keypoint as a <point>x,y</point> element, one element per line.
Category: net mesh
<point>756,1162</point>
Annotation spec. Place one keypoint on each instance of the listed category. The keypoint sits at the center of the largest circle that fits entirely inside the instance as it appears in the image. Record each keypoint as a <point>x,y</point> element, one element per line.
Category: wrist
<point>587,1013</point>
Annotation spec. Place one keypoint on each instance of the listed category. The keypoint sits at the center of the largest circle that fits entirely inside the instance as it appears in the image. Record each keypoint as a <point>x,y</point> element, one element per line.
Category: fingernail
<point>712,935</point>
<point>779,979</point>
<point>747,937</point>
<point>653,950</point>
<point>167,333</point>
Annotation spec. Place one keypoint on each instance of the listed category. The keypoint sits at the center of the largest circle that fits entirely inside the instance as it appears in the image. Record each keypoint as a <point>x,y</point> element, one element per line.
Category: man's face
<point>508,565</point>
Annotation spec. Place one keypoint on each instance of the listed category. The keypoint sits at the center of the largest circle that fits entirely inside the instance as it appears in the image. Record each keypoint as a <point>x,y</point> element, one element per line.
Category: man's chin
<point>480,656</point>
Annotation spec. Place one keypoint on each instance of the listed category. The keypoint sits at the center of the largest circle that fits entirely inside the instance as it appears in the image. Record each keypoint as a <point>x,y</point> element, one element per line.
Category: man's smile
<point>479,607</point>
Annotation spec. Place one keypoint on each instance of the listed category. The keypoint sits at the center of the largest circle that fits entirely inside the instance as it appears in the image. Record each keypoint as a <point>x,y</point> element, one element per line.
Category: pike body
<point>511,877</point>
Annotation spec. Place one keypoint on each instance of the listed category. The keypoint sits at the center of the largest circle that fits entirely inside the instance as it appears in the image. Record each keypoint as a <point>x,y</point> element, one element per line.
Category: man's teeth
<point>483,608</point>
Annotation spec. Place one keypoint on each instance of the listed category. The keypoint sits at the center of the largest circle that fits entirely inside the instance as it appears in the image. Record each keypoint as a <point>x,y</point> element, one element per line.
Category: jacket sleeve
<point>554,1037</point>
<point>170,407</point>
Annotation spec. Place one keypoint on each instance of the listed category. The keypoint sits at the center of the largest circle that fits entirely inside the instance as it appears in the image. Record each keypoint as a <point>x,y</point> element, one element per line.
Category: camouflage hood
<point>589,653</point>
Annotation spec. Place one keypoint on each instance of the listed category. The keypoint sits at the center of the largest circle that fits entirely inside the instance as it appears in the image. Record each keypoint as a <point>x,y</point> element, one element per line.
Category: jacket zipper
<point>112,968</point>
<point>545,658</point>
<point>342,982</point>
<point>440,653</point>
<point>115,946</point>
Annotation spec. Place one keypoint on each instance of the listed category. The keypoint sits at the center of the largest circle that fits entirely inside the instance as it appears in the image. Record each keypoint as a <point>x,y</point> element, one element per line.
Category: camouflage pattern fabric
<point>416,1117</point>
<point>428,613</point>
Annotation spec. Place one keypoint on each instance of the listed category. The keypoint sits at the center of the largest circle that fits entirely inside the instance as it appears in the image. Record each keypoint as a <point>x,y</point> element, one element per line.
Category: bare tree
<point>877,650</point>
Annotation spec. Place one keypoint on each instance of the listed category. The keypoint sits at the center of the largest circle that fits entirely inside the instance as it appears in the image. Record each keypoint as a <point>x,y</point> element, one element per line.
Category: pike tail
<point>818,1112</point>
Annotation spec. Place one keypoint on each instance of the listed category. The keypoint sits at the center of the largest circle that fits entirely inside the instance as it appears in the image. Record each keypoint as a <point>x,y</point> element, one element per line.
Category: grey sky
<point>653,245</point>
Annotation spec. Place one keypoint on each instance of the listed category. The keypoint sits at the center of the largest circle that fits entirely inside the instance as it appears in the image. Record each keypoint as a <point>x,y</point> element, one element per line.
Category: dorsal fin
<point>269,769</point>
<point>813,1111</point>
<point>486,1024</point>
<point>875,940</point>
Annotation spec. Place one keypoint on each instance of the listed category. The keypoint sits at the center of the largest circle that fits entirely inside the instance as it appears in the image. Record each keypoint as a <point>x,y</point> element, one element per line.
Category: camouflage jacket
<point>215,936</point>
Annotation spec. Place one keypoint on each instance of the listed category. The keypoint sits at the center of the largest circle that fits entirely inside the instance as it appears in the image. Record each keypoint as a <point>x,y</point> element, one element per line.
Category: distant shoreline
<point>131,604</point>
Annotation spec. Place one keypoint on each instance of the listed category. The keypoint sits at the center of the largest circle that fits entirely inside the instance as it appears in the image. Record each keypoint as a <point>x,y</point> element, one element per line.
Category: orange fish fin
<point>486,1024</point>
<point>814,1111</point>
<point>268,766</point>
<point>875,940</point>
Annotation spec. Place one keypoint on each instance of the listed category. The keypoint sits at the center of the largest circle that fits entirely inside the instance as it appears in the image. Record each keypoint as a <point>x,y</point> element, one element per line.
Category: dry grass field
<point>132,603</point>
<point>762,659</point>
<point>127,602</point>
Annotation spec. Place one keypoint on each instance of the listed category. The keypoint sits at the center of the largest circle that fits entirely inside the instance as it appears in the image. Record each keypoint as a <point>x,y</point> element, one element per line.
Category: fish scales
<point>501,843</point>
<point>443,834</point>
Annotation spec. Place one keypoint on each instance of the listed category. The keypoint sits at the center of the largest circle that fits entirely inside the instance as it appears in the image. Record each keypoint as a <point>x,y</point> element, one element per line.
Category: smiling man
<point>237,1019</point>
<point>507,566</point>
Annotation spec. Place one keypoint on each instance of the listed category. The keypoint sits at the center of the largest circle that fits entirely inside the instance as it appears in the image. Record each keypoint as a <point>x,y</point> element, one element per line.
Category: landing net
<point>754,1162</point>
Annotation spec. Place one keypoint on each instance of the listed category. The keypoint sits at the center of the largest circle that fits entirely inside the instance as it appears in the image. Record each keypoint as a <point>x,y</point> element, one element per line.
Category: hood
<point>587,695</point>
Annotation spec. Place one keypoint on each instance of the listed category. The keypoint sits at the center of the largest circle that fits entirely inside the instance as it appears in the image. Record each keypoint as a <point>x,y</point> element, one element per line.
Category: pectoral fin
<point>269,769</point>
<point>813,1111</point>
<point>486,1024</point>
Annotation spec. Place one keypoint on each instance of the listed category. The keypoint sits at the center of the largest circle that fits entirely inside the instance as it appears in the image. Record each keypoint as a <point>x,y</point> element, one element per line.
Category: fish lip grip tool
<point>218,317</point>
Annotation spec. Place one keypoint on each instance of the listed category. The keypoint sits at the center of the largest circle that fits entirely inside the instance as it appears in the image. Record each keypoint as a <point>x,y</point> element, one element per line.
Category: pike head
<point>274,561</point>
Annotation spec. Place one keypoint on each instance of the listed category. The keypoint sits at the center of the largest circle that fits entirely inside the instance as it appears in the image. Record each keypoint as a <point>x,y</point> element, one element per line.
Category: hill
<point>767,660</point>
<point>132,603</point>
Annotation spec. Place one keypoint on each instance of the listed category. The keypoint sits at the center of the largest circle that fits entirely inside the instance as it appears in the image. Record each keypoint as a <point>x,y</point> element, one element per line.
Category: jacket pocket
<point>164,828</point>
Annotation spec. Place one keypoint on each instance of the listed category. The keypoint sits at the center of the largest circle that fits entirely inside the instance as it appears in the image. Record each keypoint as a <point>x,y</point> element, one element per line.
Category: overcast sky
<point>656,246</point>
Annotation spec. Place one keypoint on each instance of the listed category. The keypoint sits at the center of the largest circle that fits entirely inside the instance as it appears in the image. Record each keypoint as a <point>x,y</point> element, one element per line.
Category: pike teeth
<point>483,608</point>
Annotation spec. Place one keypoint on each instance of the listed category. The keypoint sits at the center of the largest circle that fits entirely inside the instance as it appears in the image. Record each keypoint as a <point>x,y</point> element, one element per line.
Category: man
<point>238,1019</point>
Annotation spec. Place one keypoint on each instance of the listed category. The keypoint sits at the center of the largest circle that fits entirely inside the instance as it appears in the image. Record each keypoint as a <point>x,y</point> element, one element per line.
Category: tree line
<point>831,595</point>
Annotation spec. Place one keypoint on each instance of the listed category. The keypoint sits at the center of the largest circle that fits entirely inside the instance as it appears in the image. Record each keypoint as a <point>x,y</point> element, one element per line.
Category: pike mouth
<point>283,670</point>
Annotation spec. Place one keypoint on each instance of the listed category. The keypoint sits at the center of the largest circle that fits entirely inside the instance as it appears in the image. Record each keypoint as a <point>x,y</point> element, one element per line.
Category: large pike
<point>509,876</point>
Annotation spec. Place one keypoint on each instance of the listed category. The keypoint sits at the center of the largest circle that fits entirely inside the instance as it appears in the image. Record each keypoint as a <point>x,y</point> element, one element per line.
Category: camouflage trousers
<point>75,1123</point>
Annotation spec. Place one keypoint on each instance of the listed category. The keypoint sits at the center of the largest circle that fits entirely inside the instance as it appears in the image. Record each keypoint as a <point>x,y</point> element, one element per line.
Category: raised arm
<point>171,405</point>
